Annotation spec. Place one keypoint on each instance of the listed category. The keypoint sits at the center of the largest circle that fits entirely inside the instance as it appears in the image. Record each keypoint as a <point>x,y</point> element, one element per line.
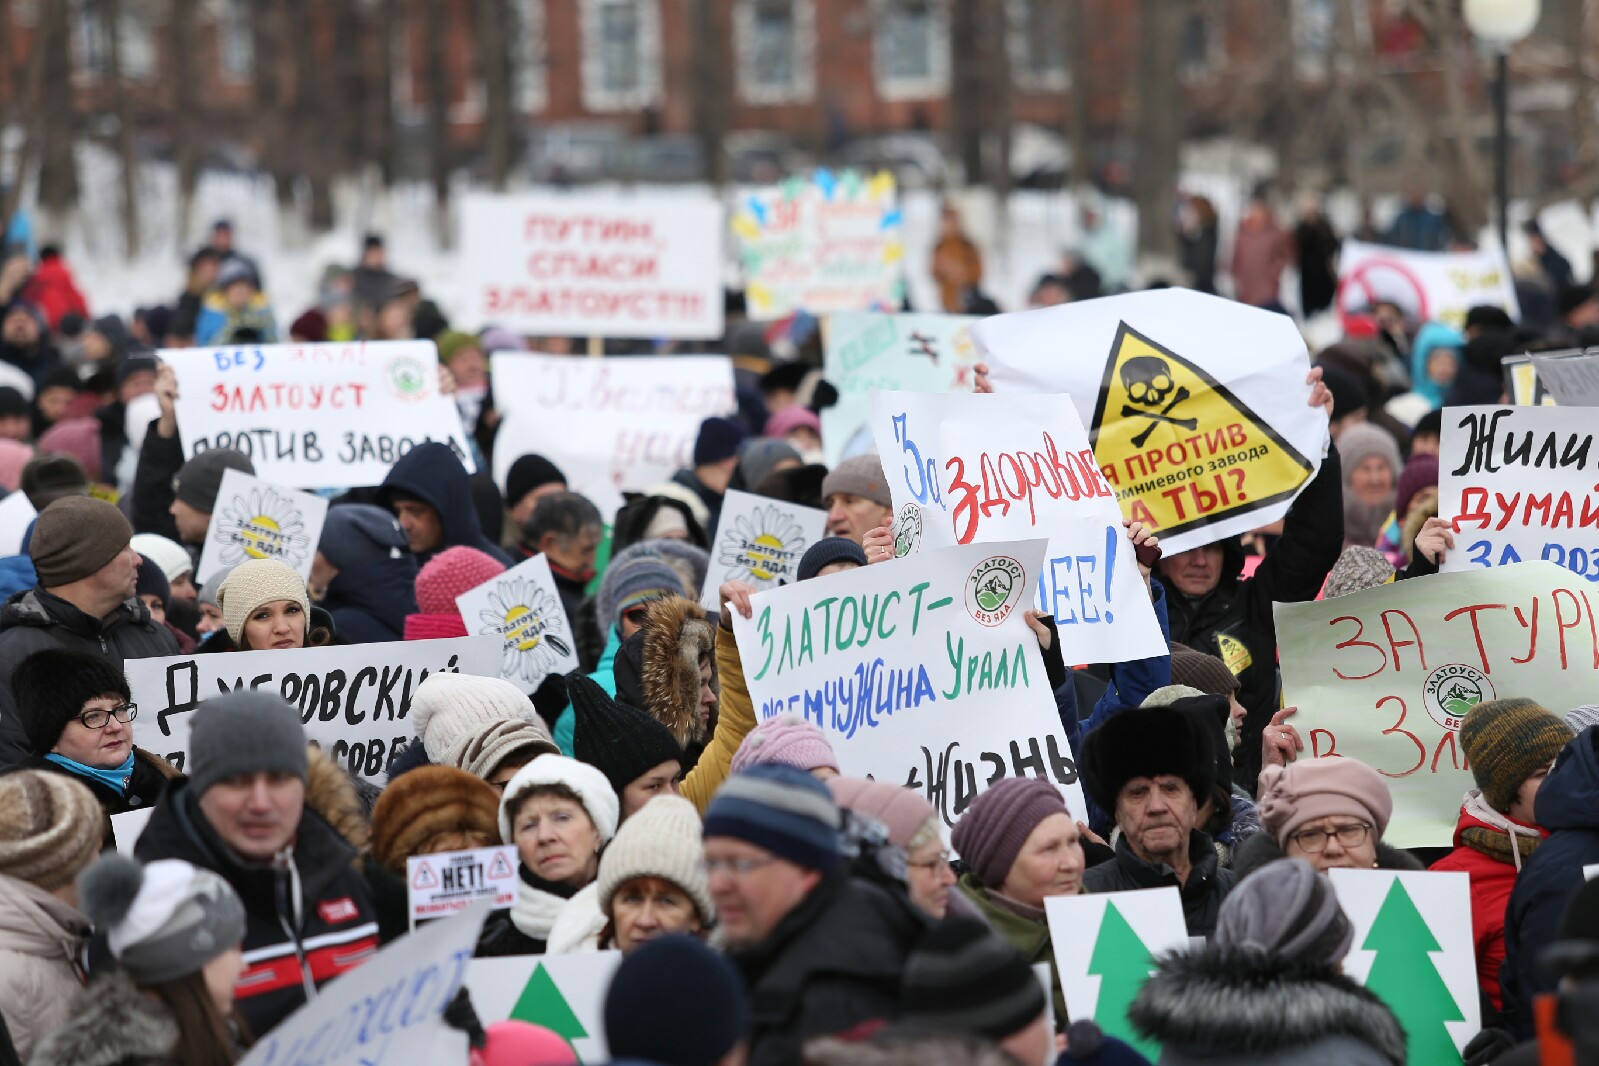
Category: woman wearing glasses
<point>1331,812</point>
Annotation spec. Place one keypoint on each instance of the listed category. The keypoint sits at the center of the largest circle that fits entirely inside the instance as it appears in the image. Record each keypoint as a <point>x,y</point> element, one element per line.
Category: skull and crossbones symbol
<point>1149,381</point>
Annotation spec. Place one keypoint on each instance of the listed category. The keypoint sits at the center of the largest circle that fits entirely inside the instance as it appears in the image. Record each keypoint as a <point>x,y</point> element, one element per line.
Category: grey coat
<point>111,1023</point>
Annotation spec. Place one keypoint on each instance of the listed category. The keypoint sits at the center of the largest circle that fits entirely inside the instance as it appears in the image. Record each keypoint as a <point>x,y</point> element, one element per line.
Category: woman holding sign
<point>264,605</point>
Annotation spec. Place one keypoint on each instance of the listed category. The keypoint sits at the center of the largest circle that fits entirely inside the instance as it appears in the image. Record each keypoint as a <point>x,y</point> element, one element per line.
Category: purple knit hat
<point>991,833</point>
<point>788,740</point>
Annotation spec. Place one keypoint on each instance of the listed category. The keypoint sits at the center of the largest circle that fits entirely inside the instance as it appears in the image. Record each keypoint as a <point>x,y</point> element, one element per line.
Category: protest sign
<point>1105,949</point>
<point>759,541</point>
<point>522,610</point>
<point>1427,286</point>
<point>563,993</point>
<point>1386,675</point>
<point>1195,405</point>
<point>1523,385</point>
<point>1413,949</point>
<point>451,881</point>
<point>830,242</point>
<point>386,1011</point>
<point>1517,483</point>
<point>863,351</point>
<point>314,416</point>
<point>257,520</point>
<point>127,826</point>
<point>611,425</point>
<point>1572,378</point>
<point>920,671</point>
<point>590,265</point>
<point>16,513</point>
<point>354,699</point>
<point>969,469</point>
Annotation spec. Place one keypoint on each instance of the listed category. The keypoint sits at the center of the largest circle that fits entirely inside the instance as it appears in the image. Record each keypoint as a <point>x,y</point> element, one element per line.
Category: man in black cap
<point>531,478</point>
<point>715,458</point>
<point>47,478</point>
<point>172,497</point>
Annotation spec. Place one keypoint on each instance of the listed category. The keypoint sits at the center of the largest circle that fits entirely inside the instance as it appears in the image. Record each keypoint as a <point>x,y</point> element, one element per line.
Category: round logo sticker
<point>408,379</point>
<point>993,589</point>
<point>908,531</point>
<point>1452,690</point>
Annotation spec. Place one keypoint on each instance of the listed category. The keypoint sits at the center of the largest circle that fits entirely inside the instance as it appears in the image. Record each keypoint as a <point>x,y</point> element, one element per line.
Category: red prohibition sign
<point>1360,278</point>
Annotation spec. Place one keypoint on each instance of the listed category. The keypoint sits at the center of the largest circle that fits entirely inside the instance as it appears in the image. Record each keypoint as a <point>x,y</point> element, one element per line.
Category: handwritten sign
<point>1572,378</point>
<point>563,993</point>
<point>921,671</point>
<point>612,425</point>
<point>828,243</point>
<point>1195,405</point>
<point>592,265</point>
<point>254,519</point>
<point>521,608</point>
<point>354,700</point>
<point>314,416</point>
<point>1517,483</point>
<point>451,881</point>
<point>1386,675</point>
<point>863,351</point>
<point>969,469</point>
<point>1427,286</point>
<point>16,513</point>
<point>760,542</point>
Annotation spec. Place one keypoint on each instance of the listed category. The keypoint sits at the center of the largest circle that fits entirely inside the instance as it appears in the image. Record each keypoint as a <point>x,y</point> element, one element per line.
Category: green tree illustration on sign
<point>1122,963</point>
<point>541,1003</point>
<point>1404,977</point>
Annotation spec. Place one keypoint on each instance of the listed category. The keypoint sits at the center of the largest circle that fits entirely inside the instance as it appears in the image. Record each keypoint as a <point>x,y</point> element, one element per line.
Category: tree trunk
<point>1464,184</point>
<point>127,152</point>
<point>438,121</point>
<point>1158,128</point>
<point>25,102</point>
<point>1075,24</point>
<point>185,110</point>
<point>313,114</point>
<point>998,117</point>
<point>272,101</point>
<point>380,145</point>
<point>348,101</point>
<point>1286,111</point>
<point>58,120</point>
<point>493,48</point>
<point>1582,102</point>
<point>966,88</point>
<point>710,89</point>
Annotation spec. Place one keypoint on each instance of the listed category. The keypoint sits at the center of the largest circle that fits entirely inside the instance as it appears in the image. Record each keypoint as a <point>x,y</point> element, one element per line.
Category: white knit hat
<point>662,839</point>
<point>170,556</point>
<point>448,708</point>
<point>255,582</point>
<point>599,799</point>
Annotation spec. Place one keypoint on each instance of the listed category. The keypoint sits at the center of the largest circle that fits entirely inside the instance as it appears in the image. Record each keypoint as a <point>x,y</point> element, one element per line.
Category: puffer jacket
<point>112,1023</point>
<point>41,942</point>
<point>1207,885</point>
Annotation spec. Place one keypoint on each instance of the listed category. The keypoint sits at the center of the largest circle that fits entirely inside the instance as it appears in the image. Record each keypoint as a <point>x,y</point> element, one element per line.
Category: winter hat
<point>1420,473</point>
<point>484,751</point>
<point>593,791</point>
<point>669,523</point>
<point>1506,741</point>
<point>311,325</point>
<point>530,472</point>
<point>234,270</point>
<point>1359,568</point>
<point>253,583</point>
<point>622,742</point>
<point>963,975</point>
<point>13,404</point>
<point>1198,670</point>
<point>518,1043</point>
<point>902,811</point>
<point>1360,442</point>
<point>1580,718</point>
<point>684,495</point>
<point>786,740</point>
<point>1315,788</point>
<point>661,840</point>
<point>784,810</point>
<point>632,581</point>
<point>991,833</point>
<point>827,551</point>
<point>245,733</point>
<point>152,582</point>
<point>789,419</point>
<point>51,686</point>
<point>213,586</point>
<point>675,1002</point>
<point>77,437</point>
<point>1210,714</point>
<point>421,806</point>
<point>164,920</point>
<point>360,534</point>
<point>718,440</point>
<point>499,339</point>
<point>14,458</point>
<point>450,707</point>
<point>50,827</point>
<point>1087,1043</point>
<point>690,561</point>
<point>1167,695</point>
<point>76,536</point>
<point>1154,741</point>
<point>761,456</point>
<point>451,573</point>
<point>200,479</point>
<point>859,475</point>
<point>1286,910</point>
<point>451,343</point>
<point>169,555</point>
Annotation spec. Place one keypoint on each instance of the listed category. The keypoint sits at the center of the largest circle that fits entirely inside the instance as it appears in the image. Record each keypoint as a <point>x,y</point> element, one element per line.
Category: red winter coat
<point>1491,882</point>
<point>54,293</point>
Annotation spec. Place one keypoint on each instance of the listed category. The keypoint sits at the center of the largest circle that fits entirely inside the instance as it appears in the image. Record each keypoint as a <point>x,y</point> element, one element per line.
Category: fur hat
<point>50,827</point>
<point>1146,742</point>
<point>676,635</point>
<point>419,808</point>
<point>51,686</point>
<point>255,583</point>
<point>661,840</point>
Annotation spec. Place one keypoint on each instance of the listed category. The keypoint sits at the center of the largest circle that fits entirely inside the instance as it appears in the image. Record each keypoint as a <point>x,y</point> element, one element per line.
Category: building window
<point>776,41</point>
<point>1038,45</point>
<point>92,46</point>
<point>911,49</point>
<point>528,56</point>
<point>621,54</point>
<point>235,45</point>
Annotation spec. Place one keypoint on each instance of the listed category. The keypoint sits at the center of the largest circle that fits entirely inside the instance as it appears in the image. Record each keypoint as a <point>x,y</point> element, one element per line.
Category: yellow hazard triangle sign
<point>1179,448</point>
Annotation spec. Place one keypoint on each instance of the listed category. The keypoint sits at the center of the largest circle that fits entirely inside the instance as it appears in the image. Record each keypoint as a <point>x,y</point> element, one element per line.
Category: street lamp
<point>1500,24</point>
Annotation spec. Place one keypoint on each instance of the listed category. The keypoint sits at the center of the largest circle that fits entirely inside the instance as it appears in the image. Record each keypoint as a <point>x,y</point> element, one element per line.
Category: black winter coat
<point>431,473</point>
<point>160,459</point>
<point>35,620</point>
<point>368,604</point>
<point>1207,885</point>
<point>150,774</point>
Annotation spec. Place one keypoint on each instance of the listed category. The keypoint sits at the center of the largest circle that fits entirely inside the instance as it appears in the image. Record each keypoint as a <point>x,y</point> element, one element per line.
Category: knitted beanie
<point>902,811</point>
<point>50,827</point>
<point>213,586</point>
<point>449,707</point>
<point>245,732</point>
<point>75,537</point>
<point>1360,442</point>
<point>200,479</point>
<point>164,920</point>
<point>486,749</point>
<point>859,475</point>
<point>661,840</point>
<point>1288,911</point>
<point>1309,789</point>
<point>14,458</point>
<point>51,686</point>
<point>1420,473</point>
<point>1507,741</point>
<point>631,581</point>
<point>1580,718</point>
<point>420,807</point>
<point>786,740</point>
<point>47,478</point>
<point>169,555</point>
<point>254,583</point>
<point>718,439</point>
<point>152,582</point>
<point>789,419</point>
<point>827,551</point>
<point>675,1002</point>
<point>1198,670</point>
<point>1359,568</point>
<point>1150,743</point>
<point>593,791</point>
<point>623,742</point>
<point>451,573</point>
<point>963,975</point>
<point>77,437</point>
<point>782,809</point>
<point>991,833</point>
<point>760,456</point>
<point>530,472</point>
<point>359,534</point>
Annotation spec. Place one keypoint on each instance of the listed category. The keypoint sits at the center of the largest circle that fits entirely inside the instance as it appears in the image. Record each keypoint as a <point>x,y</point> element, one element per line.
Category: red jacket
<point>1491,882</point>
<point>52,290</point>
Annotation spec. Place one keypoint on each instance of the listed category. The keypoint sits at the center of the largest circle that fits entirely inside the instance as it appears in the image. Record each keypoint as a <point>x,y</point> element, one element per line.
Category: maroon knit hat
<point>992,831</point>
<point>450,573</point>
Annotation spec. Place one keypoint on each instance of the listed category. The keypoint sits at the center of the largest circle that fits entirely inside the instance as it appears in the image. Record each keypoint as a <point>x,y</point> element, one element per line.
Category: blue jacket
<point>16,575</point>
<point>430,472</point>
<point>369,603</point>
<point>604,675</point>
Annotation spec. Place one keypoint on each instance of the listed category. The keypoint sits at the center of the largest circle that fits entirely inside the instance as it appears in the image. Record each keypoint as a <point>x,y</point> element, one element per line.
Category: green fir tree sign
<point>1405,977</point>
<point>1122,963</point>
<point>541,1003</point>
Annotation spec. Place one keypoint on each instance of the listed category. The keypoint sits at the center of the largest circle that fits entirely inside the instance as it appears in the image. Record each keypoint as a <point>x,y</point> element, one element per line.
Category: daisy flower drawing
<point>261,524</point>
<point>763,547</point>
<point>532,624</point>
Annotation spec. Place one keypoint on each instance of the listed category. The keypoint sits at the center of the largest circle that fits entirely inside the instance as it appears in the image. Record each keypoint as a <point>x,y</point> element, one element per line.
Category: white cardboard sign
<point>760,541</point>
<point>563,993</point>
<point>1427,286</point>
<point>451,881</point>
<point>16,511</point>
<point>1572,378</point>
<point>522,610</point>
<point>255,519</point>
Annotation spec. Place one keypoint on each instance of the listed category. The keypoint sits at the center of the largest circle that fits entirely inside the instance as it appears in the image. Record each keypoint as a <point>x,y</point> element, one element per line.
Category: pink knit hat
<point>1314,788</point>
<point>789,419</point>
<point>14,455</point>
<point>991,833</point>
<point>449,574</point>
<point>789,740</point>
<point>77,437</point>
<point>902,810</point>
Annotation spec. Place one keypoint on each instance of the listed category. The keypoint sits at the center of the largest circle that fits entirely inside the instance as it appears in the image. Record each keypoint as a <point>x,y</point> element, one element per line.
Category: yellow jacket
<point>735,718</point>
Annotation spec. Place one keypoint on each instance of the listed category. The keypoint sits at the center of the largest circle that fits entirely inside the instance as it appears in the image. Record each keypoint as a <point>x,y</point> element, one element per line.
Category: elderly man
<point>857,499</point>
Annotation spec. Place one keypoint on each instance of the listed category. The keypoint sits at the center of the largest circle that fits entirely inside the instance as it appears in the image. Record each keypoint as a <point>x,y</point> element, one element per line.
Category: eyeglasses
<point>735,867</point>
<point>637,615</point>
<point>97,719</point>
<point>941,859</point>
<point>1311,841</point>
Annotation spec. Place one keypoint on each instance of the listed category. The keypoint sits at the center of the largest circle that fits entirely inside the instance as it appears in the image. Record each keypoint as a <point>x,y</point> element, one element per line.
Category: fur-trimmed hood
<point>676,635</point>
<point>113,1023</point>
<point>331,792</point>
<point>1246,1003</point>
<point>1257,849</point>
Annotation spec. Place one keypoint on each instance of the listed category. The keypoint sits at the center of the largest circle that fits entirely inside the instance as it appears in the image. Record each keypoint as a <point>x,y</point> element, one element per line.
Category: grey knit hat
<point>859,475</point>
<point>200,479</point>
<point>1288,910</point>
<point>162,921</point>
<point>245,733</point>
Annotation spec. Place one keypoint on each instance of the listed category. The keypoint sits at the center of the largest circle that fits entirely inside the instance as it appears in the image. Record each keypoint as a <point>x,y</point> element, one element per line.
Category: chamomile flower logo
<point>531,622</point>
<point>261,524</point>
<point>763,546</point>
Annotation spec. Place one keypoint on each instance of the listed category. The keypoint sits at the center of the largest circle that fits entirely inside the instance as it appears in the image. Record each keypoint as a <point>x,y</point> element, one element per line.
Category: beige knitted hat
<point>255,582</point>
<point>661,840</point>
<point>50,827</point>
<point>483,750</point>
<point>450,708</point>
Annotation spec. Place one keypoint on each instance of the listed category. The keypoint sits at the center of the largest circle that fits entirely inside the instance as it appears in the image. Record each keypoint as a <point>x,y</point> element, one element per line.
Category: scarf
<point>116,778</point>
<point>1496,842</point>
<point>538,904</point>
